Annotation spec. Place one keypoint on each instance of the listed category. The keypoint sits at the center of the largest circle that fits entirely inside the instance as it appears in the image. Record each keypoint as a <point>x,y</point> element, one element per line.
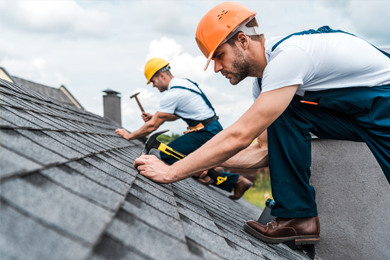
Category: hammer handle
<point>139,104</point>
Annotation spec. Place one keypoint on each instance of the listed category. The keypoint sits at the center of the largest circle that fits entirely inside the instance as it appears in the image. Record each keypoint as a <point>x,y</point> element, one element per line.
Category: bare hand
<point>146,116</point>
<point>151,167</point>
<point>203,177</point>
<point>123,133</point>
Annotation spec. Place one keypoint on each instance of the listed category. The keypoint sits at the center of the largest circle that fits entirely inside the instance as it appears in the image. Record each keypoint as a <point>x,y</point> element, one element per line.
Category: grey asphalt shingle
<point>207,239</point>
<point>67,211</point>
<point>99,176</point>
<point>50,143</point>
<point>154,217</point>
<point>69,190</point>
<point>156,192</point>
<point>22,113</point>
<point>24,238</point>
<point>109,249</point>
<point>6,124</point>
<point>136,234</point>
<point>199,219</point>
<point>17,142</point>
<point>153,201</point>
<point>12,163</point>
<point>83,186</point>
<point>16,119</point>
<point>111,170</point>
<point>198,252</point>
<point>74,143</point>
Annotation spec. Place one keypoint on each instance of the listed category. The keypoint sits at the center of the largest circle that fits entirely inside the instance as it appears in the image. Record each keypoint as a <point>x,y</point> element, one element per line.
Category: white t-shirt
<point>183,102</point>
<point>322,61</point>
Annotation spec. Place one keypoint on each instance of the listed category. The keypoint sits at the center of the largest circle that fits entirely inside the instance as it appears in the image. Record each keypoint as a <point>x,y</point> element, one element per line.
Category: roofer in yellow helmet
<point>327,82</point>
<point>182,98</point>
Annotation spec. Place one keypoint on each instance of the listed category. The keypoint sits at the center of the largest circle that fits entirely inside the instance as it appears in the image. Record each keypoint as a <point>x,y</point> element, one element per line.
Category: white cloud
<point>177,18</point>
<point>36,70</point>
<point>182,64</point>
<point>371,19</point>
<point>229,102</point>
<point>59,17</point>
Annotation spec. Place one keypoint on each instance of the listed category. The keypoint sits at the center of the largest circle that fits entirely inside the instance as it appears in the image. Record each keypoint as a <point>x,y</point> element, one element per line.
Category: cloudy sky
<point>90,46</point>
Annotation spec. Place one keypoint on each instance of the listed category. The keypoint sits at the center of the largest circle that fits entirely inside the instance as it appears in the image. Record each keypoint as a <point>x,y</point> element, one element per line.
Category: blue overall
<point>190,142</point>
<point>360,114</point>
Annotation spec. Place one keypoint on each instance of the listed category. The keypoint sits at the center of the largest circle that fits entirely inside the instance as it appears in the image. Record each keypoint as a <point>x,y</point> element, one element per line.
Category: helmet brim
<point>209,60</point>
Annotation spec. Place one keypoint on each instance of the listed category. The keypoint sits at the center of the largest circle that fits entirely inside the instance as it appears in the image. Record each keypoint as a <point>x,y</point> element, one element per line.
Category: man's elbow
<point>152,128</point>
<point>239,141</point>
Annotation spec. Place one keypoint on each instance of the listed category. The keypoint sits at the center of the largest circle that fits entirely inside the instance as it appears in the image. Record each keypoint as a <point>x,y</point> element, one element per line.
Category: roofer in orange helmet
<point>327,82</point>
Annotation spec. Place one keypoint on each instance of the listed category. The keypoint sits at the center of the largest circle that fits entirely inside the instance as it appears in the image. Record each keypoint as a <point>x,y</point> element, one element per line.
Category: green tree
<point>167,139</point>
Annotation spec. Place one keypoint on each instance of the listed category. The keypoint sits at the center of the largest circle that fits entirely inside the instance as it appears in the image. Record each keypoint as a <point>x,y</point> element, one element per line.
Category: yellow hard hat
<point>152,66</point>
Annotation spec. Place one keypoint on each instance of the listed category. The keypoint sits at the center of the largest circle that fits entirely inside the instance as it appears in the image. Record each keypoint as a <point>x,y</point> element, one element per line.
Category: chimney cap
<point>111,92</point>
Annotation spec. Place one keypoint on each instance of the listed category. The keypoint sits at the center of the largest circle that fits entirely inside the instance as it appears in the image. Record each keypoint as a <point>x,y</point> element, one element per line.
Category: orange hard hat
<point>217,24</point>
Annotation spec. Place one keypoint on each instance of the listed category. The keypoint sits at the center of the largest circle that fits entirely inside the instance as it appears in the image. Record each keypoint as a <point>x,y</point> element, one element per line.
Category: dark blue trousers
<point>360,114</point>
<point>190,142</point>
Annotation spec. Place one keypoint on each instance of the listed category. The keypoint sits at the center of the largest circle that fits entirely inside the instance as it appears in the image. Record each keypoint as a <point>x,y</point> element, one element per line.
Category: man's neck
<point>257,59</point>
<point>169,80</point>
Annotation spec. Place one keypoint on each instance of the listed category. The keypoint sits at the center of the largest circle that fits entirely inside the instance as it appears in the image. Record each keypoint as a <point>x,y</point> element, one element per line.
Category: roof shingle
<point>69,190</point>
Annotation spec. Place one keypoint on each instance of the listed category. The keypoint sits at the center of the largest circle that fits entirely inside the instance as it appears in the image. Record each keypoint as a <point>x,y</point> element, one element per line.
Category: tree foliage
<point>167,139</point>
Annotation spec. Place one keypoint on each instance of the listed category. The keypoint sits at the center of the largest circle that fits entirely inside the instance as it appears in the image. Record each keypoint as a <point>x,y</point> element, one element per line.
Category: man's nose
<point>217,66</point>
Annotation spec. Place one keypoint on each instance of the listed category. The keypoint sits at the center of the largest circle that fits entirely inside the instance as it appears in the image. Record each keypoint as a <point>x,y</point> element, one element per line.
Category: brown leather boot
<point>242,185</point>
<point>303,231</point>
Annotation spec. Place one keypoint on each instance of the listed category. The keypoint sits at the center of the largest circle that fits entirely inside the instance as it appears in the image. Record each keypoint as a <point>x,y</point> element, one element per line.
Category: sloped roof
<point>69,191</point>
<point>61,94</point>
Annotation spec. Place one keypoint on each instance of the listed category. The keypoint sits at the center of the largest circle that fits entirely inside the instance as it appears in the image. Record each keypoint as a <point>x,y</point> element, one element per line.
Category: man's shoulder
<point>179,82</point>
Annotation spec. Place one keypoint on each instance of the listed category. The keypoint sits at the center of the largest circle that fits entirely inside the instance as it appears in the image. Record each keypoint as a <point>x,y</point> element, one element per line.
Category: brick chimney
<point>112,105</point>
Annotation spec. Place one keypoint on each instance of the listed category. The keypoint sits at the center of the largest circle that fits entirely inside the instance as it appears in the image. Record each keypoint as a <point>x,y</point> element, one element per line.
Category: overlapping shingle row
<point>69,191</point>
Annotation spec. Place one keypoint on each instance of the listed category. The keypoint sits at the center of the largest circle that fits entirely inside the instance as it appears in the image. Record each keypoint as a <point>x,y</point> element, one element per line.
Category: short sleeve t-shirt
<point>322,61</point>
<point>183,102</point>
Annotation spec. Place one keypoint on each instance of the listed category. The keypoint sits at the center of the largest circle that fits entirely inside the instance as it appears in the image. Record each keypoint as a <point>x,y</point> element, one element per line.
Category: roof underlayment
<point>69,191</point>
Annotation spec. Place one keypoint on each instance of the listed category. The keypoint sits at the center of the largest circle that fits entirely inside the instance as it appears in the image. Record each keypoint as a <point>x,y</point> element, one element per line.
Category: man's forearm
<point>253,157</point>
<point>146,129</point>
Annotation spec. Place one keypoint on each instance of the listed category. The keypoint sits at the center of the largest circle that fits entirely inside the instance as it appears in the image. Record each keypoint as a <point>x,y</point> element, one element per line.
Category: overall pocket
<point>339,105</point>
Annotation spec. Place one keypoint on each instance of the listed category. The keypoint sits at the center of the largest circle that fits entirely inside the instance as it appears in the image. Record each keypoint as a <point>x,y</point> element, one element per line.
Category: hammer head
<point>136,94</point>
<point>152,142</point>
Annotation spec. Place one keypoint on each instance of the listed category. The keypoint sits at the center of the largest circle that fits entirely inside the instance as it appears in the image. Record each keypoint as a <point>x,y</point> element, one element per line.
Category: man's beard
<point>241,67</point>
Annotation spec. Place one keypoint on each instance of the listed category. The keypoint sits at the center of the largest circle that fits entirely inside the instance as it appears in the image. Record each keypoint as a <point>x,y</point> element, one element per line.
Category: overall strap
<point>321,30</point>
<point>259,83</point>
<point>201,94</point>
<point>192,122</point>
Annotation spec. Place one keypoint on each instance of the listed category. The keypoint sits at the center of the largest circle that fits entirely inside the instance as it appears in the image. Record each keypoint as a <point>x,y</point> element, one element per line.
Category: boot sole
<point>242,194</point>
<point>298,240</point>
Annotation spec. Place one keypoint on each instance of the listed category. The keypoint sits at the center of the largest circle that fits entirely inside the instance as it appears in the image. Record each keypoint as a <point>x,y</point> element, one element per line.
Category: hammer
<point>152,142</point>
<point>139,104</point>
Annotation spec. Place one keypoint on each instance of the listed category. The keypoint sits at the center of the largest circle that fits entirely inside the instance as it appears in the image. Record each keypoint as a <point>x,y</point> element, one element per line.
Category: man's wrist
<point>172,175</point>
<point>129,136</point>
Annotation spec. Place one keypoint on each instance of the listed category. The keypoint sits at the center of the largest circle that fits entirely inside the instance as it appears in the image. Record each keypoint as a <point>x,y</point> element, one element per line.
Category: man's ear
<point>162,76</point>
<point>243,40</point>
